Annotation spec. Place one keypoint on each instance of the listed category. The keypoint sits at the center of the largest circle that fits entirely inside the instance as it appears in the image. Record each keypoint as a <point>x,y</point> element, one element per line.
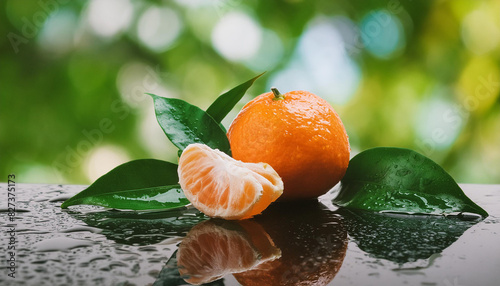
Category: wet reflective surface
<point>307,244</point>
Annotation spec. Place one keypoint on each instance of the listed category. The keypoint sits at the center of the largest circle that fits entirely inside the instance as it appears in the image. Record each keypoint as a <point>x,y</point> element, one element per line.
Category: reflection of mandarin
<point>313,244</point>
<point>215,248</point>
<point>299,135</point>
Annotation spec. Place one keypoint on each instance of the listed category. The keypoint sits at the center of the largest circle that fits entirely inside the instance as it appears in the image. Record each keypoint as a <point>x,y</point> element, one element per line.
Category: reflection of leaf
<point>225,102</point>
<point>185,124</point>
<point>136,185</point>
<point>402,238</point>
<point>142,228</point>
<point>169,275</point>
<point>401,180</point>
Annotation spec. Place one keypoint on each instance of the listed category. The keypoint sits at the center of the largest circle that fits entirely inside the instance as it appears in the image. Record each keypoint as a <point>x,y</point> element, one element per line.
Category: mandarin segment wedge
<point>220,186</point>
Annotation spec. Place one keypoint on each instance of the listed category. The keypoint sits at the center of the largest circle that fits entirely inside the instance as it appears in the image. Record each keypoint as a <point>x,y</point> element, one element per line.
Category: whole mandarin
<point>299,134</point>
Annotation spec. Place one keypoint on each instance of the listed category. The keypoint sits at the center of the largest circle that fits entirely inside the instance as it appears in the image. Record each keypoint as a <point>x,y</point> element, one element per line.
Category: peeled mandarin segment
<point>220,186</point>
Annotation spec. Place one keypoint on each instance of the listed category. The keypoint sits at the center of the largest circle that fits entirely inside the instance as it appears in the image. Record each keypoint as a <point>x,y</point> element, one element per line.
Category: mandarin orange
<point>299,134</point>
<point>220,186</point>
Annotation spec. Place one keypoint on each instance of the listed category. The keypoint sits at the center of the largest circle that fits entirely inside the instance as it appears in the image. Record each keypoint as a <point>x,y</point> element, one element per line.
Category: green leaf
<point>136,185</point>
<point>184,124</point>
<point>401,180</point>
<point>225,102</point>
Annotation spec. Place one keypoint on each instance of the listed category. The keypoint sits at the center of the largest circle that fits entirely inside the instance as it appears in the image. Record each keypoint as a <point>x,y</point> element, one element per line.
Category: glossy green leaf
<point>225,102</point>
<point>136,185</point>
<point>401,180</point>
<point>184,124</point>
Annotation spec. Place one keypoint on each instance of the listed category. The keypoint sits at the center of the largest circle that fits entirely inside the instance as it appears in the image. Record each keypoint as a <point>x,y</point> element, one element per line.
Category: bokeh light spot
<point>103,159</point>
<point>56,36</point>
<point>158,28</point>
<point>194,3</point>
<point>321,65</point>
<point>41,174</point>
<point>382,34</point>
<point>269,53</point>
<point>135,79</point>
<point>480,33</point>
<point>479,84</point>
<point>439,122</point>
<point>237,36</point>
<point>293,77</point>
<point>108,18</point>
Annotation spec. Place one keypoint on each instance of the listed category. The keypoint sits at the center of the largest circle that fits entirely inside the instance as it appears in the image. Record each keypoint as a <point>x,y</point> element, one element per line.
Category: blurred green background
<point>417,74</point>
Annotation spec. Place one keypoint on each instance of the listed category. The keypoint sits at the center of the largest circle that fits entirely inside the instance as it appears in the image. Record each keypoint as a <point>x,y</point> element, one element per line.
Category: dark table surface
<point>88,245</point>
